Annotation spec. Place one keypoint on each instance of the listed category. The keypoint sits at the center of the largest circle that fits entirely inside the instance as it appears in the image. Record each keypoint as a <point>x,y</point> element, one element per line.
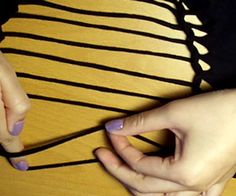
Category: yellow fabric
<point>48,120</point>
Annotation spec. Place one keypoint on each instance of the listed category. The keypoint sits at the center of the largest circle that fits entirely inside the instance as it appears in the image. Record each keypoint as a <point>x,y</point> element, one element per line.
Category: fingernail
<point>21,165</point>
<point>114,125</point>
<point>17,128</point>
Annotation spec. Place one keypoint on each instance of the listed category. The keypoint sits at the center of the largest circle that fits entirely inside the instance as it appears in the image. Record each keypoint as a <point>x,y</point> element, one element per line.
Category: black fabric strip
<point>107,14</point>
<point>195,26</point>
<point>89,86</point>
<point>63,139</point>
<point>54,143</point>
<point>78,44</point>
<point>66,164</point>
<point>91,12</point>
<point>194,52</point>
<point>95,66</point>
<point>144,139</point>
<point>161,153</point>
<point>156,3</point>
<point>79,103</point>
<point>87,25</point>
<point>92,46</point>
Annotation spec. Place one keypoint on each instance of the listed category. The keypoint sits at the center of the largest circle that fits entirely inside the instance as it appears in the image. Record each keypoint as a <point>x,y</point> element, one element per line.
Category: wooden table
<point>83,63</point>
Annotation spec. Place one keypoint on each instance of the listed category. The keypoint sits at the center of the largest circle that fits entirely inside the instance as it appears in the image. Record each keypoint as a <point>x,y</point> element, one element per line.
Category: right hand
<point>204,158</point>
<point>14,105</point>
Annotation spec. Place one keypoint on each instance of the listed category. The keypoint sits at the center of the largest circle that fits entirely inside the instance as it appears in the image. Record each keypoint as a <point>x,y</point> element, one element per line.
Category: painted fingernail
<point>21,165</point>
<point>17,128</point>
<point>114,125</point>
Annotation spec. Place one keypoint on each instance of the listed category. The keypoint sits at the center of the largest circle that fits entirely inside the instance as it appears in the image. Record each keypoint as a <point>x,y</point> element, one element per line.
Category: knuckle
<point>140,184</point>
<point>140,189</point>
<point>188,181</point>
<point>136,163</point>
<point>22,108</point>
<point>7,140</point>
<point>138,121</point>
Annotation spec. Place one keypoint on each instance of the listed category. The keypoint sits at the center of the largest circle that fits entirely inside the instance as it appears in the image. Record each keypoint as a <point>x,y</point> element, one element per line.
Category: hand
<point>204,158</point>
<point>13,107</point>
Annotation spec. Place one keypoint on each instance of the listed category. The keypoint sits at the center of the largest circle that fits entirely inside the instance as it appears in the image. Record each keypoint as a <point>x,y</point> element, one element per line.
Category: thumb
<point>151,120</point>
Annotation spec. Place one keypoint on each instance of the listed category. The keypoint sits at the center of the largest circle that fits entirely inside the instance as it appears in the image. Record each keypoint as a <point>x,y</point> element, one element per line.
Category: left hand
<point>14,105</point>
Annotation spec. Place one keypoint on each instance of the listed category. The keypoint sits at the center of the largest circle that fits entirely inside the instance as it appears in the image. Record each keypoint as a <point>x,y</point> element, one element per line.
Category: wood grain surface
<point>82,63</point>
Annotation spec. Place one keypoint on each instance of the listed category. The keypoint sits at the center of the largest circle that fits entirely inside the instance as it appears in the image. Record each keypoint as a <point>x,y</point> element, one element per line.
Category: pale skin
<point>204,158</point>
<point>14,105</point>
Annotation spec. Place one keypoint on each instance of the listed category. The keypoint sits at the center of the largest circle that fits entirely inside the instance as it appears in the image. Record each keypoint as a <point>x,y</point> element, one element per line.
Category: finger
<point>16,104</point>
<point>11,143</point>
<point>155,119</point>
<point>19,163</point>
<point>132,179</point>
<point>15,100</point>
<point>216,189</point>
<point>163,168</point>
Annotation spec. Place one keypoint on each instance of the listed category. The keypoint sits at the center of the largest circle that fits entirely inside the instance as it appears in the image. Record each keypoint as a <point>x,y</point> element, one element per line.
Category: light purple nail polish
<point>17,128</point>
<point>21,165</point>
<point>114,125</point>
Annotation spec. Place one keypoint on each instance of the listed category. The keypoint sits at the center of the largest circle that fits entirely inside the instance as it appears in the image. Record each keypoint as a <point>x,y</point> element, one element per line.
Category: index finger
<point>16,102</point>
<point>159,167</point>
<point>133,179</point>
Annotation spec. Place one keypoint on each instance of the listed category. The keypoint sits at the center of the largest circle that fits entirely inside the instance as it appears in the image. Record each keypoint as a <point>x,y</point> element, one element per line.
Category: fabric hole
<point>204,65</point>
<point>198,33</point>
<point>192,19</point>
<point>185,6</point>
<point>201,49</point>
<point>205,86</point>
